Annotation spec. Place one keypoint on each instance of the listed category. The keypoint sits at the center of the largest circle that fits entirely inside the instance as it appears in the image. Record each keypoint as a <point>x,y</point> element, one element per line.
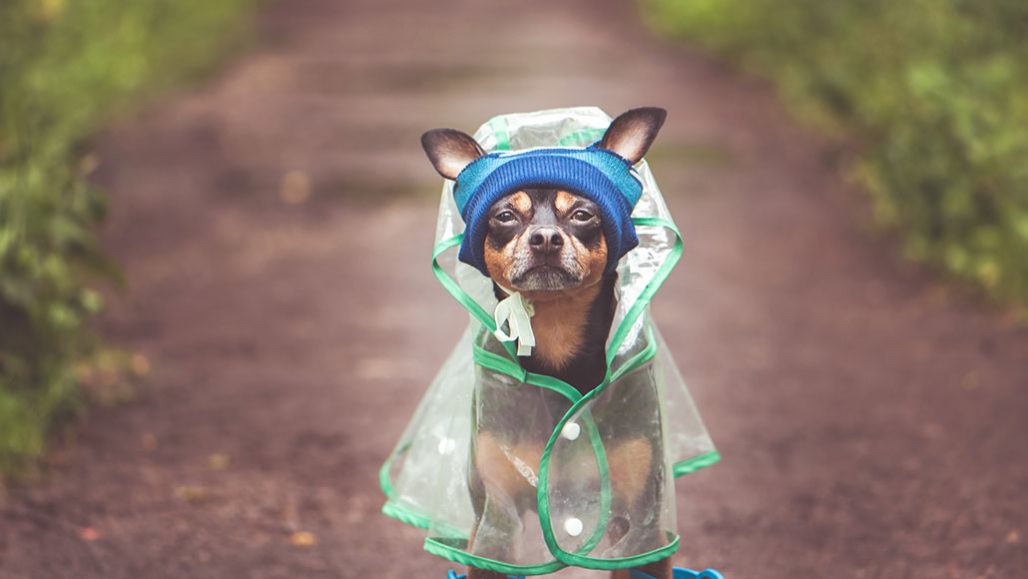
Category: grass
<point>933,92</point>
<point>66,69</point>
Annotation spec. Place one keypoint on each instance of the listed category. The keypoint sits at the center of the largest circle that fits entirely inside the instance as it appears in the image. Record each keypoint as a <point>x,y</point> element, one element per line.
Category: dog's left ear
<point>631,134</point>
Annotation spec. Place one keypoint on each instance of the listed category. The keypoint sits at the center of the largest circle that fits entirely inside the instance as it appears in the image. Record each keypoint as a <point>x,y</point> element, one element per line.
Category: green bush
<point>935,93</point>
<point>65,68</point>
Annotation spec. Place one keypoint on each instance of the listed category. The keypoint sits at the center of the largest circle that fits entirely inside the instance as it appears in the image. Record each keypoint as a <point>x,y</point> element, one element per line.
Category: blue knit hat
<point>598,174</point>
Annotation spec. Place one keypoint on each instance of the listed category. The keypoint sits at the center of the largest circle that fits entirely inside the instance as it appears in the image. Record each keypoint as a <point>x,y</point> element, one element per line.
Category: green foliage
<point>936,93</point>
<point>65,68</point>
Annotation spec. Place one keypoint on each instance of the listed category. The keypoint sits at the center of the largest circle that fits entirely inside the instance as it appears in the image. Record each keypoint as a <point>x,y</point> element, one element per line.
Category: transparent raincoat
<point>568,479</point>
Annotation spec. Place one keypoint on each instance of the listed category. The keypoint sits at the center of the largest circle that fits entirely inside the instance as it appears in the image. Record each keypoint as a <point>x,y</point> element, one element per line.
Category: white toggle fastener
<point>573,526</point>
<point>517,313</point>
<point>446,445</point>
<point>571,430</point>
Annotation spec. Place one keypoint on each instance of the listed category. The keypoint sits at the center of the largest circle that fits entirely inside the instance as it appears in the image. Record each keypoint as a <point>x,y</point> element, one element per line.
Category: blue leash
<point>678,573</point>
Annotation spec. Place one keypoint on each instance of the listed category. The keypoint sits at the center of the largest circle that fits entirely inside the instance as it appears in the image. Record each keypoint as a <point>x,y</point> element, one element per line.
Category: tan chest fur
<point>559,325</point>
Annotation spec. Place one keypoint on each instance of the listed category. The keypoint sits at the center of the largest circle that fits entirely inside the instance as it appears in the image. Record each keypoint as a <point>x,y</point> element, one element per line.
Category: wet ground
<point>276,225</point>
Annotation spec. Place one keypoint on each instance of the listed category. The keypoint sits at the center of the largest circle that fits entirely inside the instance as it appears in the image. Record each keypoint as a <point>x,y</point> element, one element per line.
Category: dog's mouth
<point>545,277</point>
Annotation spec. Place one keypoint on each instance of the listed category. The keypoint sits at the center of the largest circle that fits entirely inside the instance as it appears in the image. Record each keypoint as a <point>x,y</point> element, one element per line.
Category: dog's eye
<point>505,216</point>
<point>581,215</point>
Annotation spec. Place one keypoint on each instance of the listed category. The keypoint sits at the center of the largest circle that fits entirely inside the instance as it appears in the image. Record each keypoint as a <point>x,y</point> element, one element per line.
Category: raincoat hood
<point>575,503</point>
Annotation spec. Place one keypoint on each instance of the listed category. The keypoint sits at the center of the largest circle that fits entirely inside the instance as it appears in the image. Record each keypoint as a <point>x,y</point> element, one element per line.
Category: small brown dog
<point>551,246</point>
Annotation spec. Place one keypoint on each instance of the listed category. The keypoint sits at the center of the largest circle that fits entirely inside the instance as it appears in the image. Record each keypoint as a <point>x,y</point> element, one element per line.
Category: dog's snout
<point>546,240</point>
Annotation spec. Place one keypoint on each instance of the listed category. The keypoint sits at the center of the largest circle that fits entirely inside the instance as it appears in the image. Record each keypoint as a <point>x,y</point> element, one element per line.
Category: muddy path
<point>275,227</point>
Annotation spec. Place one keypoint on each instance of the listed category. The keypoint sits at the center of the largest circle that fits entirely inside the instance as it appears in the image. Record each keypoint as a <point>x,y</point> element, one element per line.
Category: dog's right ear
<point>450,151</point>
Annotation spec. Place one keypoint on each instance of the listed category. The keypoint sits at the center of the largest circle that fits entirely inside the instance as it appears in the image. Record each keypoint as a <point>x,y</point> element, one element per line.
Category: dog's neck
<point>571,330</point>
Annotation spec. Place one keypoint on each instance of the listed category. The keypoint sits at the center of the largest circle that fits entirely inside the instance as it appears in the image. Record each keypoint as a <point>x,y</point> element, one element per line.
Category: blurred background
<point>217,315</point>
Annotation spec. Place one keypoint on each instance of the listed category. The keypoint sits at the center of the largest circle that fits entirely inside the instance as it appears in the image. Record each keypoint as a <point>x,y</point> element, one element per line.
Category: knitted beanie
<point>598,174</point>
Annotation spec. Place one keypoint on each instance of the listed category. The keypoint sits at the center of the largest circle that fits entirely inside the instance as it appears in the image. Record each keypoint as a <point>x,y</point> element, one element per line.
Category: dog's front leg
<point>476,573</point>
<point>505,476</point>
<point>658,570</point>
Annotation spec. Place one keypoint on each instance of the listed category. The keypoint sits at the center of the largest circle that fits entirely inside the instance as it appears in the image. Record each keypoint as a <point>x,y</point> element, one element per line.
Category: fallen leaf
<point>1013,536</point>
<point>84,373</point>
<point>88,164</point>
<point>50,9</point>
<point>295,187</point>
<point>218,461</point>
<point>149,442</point>
<point>57,458</point>
<point>89,533</point>
<point>140,365</point>
<point>303,539</point>
<point>972,380</point>
<point>192,494</point>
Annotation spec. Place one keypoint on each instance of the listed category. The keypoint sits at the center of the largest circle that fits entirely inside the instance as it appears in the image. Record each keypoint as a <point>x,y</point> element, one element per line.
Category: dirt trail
<point>870,424</point>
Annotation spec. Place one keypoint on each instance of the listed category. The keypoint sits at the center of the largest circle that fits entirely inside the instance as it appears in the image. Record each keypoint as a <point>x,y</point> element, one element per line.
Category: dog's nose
<point>546,240</point>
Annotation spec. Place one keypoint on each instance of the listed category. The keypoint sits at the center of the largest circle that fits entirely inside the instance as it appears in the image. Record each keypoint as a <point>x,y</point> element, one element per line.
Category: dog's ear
<point>631,134</point>
<point>450,151</point>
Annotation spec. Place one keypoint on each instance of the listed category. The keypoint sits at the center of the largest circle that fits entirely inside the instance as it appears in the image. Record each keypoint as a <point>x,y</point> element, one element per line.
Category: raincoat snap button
<point>447,445</point>
<point>573,526</point>
<point>571,431</point>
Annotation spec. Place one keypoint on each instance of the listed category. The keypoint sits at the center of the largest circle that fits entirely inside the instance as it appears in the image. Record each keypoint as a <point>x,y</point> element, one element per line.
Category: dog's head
<point>562,230</point>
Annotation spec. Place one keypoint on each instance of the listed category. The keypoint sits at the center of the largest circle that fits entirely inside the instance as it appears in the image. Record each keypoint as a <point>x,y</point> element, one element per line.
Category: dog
<point>551,246</point>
